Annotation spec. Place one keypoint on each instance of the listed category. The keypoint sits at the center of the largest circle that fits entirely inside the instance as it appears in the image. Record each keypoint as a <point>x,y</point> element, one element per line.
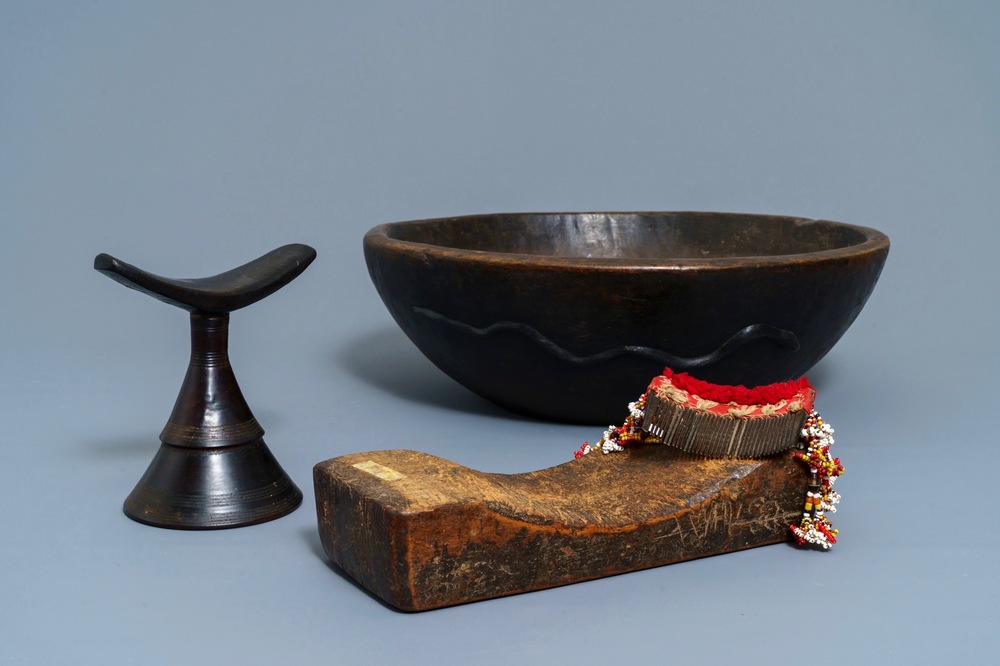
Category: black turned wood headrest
<point>220,293</point>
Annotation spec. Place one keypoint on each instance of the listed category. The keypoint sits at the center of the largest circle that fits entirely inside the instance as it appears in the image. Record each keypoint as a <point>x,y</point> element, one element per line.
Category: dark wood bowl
<point>567,316</point>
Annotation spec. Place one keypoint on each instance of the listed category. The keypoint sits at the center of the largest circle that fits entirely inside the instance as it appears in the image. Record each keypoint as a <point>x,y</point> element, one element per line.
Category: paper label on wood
<point>381,471</point>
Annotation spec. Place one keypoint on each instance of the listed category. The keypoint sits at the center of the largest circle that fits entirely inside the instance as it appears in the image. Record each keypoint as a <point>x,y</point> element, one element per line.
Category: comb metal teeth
<point>716,436</point>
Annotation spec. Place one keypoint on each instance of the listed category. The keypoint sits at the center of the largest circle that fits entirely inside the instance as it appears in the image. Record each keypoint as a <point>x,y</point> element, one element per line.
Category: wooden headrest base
<point>421,532</point>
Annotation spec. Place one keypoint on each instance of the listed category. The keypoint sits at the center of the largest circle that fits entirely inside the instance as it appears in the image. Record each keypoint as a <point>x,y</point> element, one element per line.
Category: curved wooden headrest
<point>220,293</point>
<point>422,532</point>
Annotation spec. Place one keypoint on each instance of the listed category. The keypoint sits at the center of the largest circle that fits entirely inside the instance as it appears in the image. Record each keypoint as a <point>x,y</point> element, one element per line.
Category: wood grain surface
<point>421,532</point>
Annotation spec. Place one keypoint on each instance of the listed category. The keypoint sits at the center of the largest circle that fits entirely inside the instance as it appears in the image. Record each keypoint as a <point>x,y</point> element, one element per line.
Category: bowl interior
<point>633,235</point>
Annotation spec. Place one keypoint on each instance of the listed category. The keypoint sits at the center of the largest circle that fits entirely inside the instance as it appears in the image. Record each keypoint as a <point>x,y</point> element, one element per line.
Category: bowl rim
<point>875,242</point>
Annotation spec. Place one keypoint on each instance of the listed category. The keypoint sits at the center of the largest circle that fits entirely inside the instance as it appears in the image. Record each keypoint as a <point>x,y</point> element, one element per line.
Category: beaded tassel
<point>616,438</point>
<point>814,529</point>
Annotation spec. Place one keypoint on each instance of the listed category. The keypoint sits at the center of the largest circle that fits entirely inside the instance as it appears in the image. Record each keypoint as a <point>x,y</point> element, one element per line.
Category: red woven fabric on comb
<point>741,395</point>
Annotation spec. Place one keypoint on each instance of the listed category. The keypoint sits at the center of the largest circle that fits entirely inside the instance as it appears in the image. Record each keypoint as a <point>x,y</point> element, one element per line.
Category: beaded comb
<point>720,421</point>
<point>726,421</point>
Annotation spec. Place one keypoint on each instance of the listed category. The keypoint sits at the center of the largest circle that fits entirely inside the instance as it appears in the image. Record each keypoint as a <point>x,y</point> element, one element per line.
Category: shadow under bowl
<point>567,316</point>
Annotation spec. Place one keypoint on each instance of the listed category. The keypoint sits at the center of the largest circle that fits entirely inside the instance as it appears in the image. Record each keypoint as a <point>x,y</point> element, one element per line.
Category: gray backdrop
<point>189,137</point>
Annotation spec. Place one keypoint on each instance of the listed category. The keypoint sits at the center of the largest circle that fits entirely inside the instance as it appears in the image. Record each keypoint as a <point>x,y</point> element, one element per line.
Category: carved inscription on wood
<point>430,533</point>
